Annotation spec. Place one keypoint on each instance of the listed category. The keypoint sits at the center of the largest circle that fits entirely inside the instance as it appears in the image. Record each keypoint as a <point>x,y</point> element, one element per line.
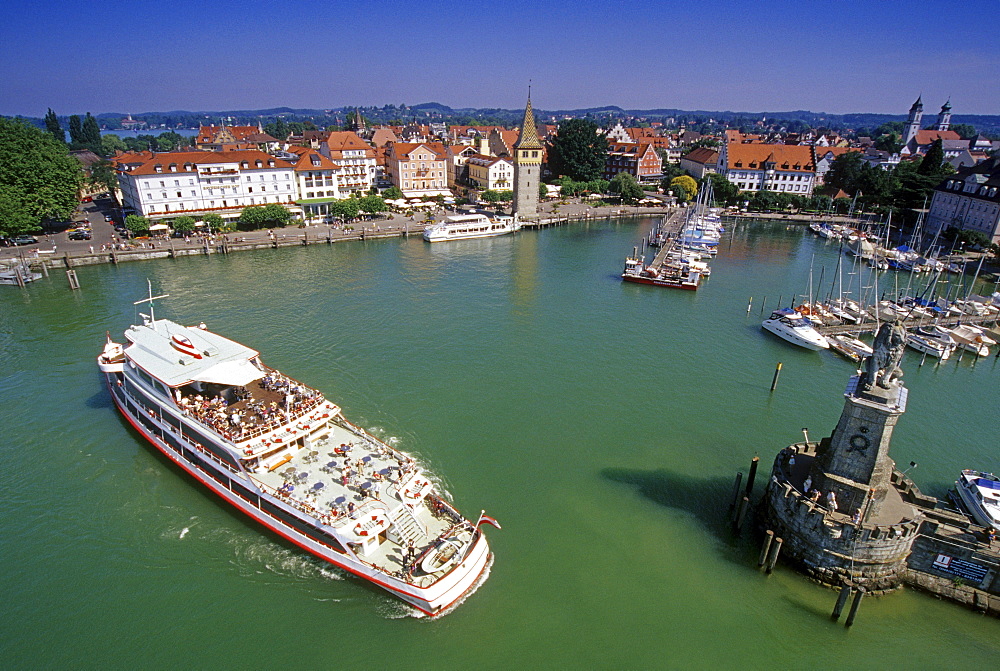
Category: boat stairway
<point>406,526</point>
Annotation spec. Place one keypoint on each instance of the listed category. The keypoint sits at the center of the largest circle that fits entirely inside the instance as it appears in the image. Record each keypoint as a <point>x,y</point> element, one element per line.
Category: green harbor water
<point>602,423</point>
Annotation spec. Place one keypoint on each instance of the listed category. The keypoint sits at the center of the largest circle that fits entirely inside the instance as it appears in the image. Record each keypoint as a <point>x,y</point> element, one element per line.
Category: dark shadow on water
<point>100,400</point>
<point>706,499</point>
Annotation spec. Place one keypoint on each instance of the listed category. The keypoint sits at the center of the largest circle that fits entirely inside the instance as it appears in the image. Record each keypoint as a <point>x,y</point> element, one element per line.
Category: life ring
<point>248,451</point>
<point>859,442</point>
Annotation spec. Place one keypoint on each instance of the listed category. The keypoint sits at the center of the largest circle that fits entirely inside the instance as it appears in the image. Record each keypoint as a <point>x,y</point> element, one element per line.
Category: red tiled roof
<point>145,163</point>
<point>928,136</point>
<point>787,157</point>
<point>704,155</point>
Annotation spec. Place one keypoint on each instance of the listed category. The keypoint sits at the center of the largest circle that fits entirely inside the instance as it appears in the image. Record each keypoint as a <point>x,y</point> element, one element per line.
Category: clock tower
<point>527,157</point>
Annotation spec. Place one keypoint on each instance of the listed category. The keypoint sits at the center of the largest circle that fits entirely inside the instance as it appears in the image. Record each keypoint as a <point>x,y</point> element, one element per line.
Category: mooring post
<point>45,268</point>
<point>858,595</point>
<point>762,304</point>
<point>74,283</point>
<point>774,380</point>
<point>749,305</point>
<point>845,594</point>
<point>736,491</point>
<point>741,514</point>
<point>751,476</point>
<point>768,539</point>
<point>772,556</point>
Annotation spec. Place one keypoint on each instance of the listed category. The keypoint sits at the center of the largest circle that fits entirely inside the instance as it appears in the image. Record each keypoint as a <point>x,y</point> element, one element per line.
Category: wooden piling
<point>858,595</point>
<point>736,491</point>
<point>774,380</point>
<point>74,283</point>
<point>762,304</point>
<point>19,276</point>
<point>741,514</point>
<point>751,476</point>
<point>845,594</point>
<point>45,268</point>
<point>772,556</point>
<point>768,540</point>
<point>749,305</point>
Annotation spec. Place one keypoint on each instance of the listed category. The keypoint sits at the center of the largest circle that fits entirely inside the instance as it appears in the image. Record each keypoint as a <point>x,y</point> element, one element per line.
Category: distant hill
<point>703,120</point>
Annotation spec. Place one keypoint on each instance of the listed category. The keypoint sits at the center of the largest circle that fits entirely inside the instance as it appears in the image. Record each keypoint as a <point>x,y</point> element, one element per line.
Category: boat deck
<point>347,478</point>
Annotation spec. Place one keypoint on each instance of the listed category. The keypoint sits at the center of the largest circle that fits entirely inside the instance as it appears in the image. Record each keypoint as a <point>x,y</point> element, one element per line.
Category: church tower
<point>527,167</point>
<point>944,117</point>
<point>913,123</point>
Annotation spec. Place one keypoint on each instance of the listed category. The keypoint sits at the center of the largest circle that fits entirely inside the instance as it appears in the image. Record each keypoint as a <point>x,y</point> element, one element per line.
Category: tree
<point>966,131</point>
<point>372,205</point>
<point>506,196</point>
<point>626,187</point>
<point>52,126</point>
<point>578,150</point>
<point>723,190</point>
<point>136,225</point>
<point>91,133</point>
<point>490,196</point>
<point>140,143</point>
<point>845,171</point>
<point>543,191</point>
<point>75,130</point>
<point>686,184</point>
<point>169,141</point>
<point>111,144</point>
<point>392,193</point>
<point>39,179</point>
<point>346,209</point>
<point>214,222</point>
<point>931,163</point>
<point>103,175</point>
<point>183,224</point>
<point>890,142</point>
<point>764,200</point>
<point>597,186</point>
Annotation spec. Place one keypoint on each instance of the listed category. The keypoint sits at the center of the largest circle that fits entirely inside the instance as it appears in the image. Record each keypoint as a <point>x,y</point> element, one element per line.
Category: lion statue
<point>882,367</point>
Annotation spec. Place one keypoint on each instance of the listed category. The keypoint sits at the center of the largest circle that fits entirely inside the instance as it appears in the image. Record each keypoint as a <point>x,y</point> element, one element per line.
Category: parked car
<point>24,240</point>
<point>80,234</point>
<point>108,217</point>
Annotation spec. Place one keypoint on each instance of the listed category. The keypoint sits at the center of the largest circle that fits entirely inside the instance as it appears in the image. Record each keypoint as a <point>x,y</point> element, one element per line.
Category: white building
<point>169,184</point>
<point>355,160</point>
<point>968,200</point>
<point>753,166</point>
<point>490,172</point>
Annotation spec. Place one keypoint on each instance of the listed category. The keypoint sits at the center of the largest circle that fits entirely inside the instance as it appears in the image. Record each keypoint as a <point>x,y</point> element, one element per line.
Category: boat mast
<point>152,315</point>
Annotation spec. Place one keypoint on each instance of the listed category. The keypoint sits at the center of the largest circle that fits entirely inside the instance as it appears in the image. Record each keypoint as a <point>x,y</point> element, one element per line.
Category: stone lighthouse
<point>835,503</point>
<point>527,167</point>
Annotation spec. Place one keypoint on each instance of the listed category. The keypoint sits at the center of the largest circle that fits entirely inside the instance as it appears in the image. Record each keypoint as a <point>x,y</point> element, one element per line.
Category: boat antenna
<point>150,299</point>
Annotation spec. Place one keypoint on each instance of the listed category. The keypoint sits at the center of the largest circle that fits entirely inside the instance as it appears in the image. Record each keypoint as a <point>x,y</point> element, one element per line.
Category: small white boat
<point>972,338</point>
<point>979,494</point>
<point>930,346</point>
<point>852,348</point>
<point>796,329</point>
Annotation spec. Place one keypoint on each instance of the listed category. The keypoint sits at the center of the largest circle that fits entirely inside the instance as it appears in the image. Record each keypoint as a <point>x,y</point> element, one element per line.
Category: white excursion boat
<point>979,494</point>
<point>852,348</point>
<point>284,455</point>
<point>464,227</point>
<point>795,328</point>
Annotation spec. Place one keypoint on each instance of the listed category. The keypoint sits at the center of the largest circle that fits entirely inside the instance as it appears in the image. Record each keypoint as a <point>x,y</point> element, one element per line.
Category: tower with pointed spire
<point>913,122</point>
<point>527,167</point>
<point>944,117</point>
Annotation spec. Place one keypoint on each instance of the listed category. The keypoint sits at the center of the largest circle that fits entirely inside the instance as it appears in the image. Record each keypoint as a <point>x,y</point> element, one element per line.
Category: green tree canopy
<point>91,133</point>
<point>578,150</point>
<point>111,144</point>
<point>506,195</point>
<point>372,204</point>
<point>52,126</point>
<point>136,224</point>
<point>490,196</point>
<point>184,224</point>
<point>966,131</point>
<point>104,176</point>
<point>392,193</point>
<point>263,216</point>
<point>845,171</point>
<point>347,209</point>
<point>214,222</point>
<point>169,141</point>
<point>626,187</point>
<point>723,190</point>
<point>75,130</point>
<point>931,163</point>
<point>38,178</point>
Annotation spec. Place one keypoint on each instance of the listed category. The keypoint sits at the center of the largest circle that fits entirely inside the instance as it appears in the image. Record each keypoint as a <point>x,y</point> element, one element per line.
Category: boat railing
<point>261,429</point>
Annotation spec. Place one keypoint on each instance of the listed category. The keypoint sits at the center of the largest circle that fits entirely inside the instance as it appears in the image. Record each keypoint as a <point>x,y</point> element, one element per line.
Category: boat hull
<point>239,492</point>
<point>791,336</point>
<point>687,285</point>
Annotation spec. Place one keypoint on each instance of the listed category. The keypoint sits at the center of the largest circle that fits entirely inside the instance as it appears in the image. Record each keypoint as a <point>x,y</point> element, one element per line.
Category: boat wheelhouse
<point>979,494</point>
<point>284,455</point>
<point>796,329</point>
<point>465,227</point>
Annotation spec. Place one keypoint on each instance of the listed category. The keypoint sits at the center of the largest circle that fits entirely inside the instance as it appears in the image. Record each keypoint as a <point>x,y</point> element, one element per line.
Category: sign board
<point>974,573</point>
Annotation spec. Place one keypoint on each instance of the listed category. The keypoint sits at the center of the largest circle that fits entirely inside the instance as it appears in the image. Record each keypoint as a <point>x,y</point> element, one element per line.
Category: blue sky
<point>837,57</point>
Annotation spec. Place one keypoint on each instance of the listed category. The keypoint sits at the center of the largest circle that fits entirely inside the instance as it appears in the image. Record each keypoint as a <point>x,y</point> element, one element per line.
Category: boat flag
<point>486,519</point>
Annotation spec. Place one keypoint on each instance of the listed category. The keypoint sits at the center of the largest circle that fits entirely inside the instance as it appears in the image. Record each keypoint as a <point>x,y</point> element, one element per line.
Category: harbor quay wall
<point>828,546</point>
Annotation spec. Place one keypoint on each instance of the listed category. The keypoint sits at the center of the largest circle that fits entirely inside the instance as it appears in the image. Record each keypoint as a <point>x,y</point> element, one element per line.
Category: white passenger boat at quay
<point>796,329</point>
<point>284,455</point>
<point>468,226</point>
<point>979,494</point>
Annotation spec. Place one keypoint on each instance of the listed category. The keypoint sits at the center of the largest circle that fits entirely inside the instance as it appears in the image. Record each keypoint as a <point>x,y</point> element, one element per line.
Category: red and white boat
<point>283,454</point>
<point>680,275</point>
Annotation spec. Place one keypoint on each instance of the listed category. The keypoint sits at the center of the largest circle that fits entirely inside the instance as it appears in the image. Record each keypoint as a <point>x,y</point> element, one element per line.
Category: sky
<point>822,56</point>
